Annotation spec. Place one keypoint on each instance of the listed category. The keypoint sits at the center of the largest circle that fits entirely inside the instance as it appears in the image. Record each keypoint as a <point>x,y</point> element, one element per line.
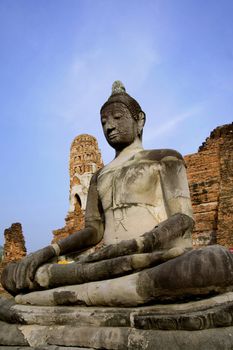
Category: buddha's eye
<point>103,121</point>
<point>117,116</point>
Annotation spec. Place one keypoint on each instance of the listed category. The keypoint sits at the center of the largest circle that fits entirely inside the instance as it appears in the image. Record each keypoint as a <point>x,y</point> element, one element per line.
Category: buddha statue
<point>139,208</point>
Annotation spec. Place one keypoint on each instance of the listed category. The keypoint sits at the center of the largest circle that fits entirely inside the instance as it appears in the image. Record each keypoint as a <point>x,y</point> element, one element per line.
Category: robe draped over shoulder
<point>139,191</point>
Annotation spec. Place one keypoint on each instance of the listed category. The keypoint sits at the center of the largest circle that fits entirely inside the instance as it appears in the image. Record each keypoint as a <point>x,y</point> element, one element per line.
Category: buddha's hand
<point>19,276</point>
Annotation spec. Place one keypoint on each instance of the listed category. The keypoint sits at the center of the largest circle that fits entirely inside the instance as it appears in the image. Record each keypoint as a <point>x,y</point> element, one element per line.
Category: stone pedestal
<point>198,325</point>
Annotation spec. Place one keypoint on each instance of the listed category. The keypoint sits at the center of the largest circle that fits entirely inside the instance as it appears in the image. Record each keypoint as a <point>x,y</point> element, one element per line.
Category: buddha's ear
<point>140,121</point>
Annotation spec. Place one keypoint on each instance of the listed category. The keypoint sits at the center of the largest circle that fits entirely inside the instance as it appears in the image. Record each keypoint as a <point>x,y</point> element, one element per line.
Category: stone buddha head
<point>122,118</point>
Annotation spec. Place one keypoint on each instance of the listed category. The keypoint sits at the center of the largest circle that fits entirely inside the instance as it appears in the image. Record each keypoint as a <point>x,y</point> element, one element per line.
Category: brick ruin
<point>14,247</point>
<point>210,175</point>
<point>85,160</point>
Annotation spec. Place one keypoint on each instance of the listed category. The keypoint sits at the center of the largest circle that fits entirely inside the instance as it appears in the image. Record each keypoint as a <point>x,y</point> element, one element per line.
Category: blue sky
<point>57,63</point>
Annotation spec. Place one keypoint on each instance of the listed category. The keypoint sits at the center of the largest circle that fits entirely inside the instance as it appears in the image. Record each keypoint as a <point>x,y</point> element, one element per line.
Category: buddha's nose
<point>110,127</point>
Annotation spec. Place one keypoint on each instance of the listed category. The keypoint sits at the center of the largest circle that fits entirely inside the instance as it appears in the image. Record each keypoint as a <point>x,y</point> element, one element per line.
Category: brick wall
<point>225,210</point>
<point>210,176</point>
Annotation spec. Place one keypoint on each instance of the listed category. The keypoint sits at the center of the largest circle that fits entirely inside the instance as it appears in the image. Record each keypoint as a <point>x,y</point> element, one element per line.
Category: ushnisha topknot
<point>120,95</point>
<point>118,87</point>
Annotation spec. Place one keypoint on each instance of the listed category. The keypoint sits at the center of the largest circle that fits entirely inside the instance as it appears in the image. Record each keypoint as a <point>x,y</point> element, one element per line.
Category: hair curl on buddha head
<point>120,95</point>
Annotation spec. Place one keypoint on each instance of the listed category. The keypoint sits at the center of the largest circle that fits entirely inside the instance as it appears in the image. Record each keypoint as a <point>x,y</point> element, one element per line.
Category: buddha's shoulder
<point>94,177</point>
<point>160,155</point>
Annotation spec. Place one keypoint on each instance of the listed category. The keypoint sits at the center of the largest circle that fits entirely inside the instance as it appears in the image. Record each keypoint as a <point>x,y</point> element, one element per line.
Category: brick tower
<point>85,160</point>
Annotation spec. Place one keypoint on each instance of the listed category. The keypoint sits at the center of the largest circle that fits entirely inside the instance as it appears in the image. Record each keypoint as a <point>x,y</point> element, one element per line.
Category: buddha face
<point>120,128</point>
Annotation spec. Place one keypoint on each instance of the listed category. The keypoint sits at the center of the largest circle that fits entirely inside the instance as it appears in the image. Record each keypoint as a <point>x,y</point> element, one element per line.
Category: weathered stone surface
<point>212,309</point>
<point>122,261</point>
<point>160,237</point>
<point>212,339</point>
<point>12,278</point>
<point>126,338</point>
<point>149,285</point>
<point>10,334</point>
<point>97,337</point>
<point>79,316</point>
<point>49,347</point>
<point>203,324</point>
<point>215,317</point>
<point>7,313</point>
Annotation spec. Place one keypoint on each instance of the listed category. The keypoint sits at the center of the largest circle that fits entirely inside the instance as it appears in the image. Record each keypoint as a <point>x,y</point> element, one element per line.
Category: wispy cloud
<point>90,74</point>
<point>173,122</point>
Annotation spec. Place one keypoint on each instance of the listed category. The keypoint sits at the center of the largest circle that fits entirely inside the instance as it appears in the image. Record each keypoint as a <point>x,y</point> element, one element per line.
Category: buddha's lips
<point>113,135</point>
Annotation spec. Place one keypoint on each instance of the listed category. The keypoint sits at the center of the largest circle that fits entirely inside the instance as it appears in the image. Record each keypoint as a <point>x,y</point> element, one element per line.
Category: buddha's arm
<point>174,227</point>
<point>17,277</point>
<point>175,186</point>
<point>176,194</point>
<point>94,228</point>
